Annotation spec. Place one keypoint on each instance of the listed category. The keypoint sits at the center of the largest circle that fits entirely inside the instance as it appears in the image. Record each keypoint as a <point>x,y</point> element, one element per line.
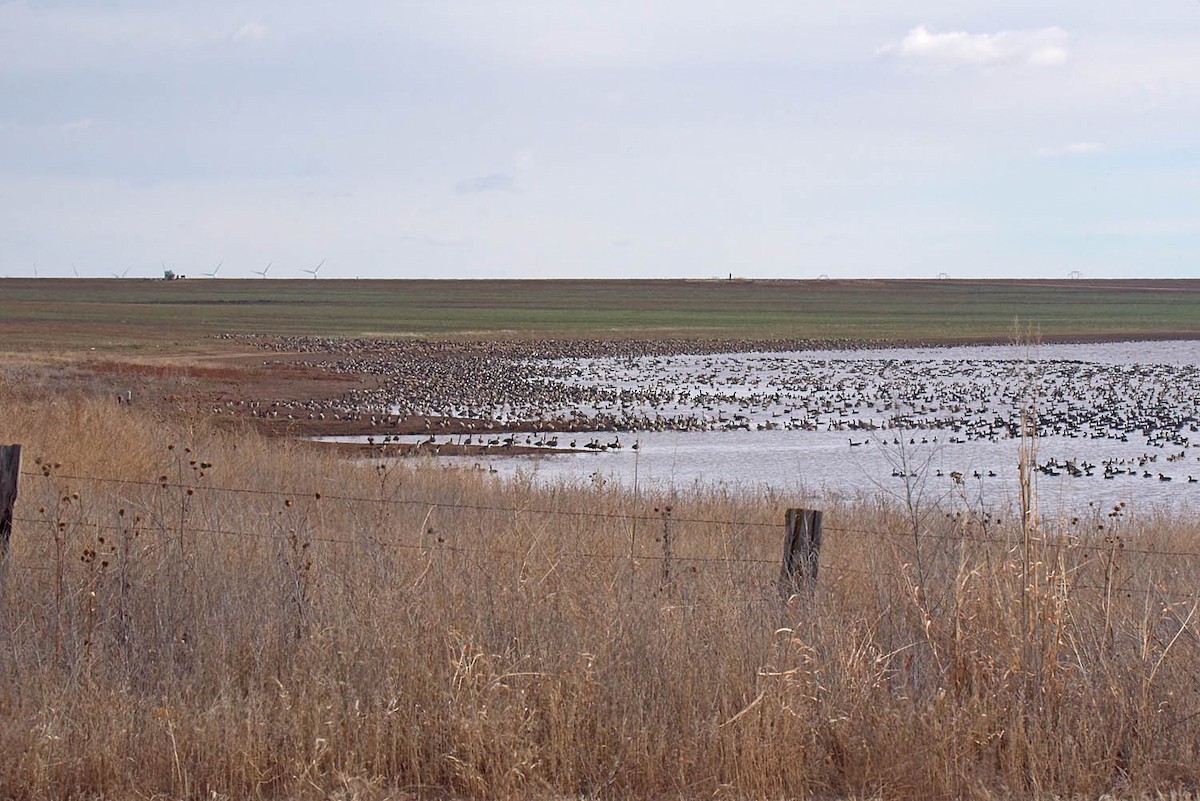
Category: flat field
<point>107,314</point>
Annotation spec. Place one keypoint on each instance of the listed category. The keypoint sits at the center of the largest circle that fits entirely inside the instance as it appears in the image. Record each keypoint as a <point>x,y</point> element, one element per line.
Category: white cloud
<point>1042,47</point>
<point>1074,149</point>
<point>251,32</point>
<point>1050,56</point>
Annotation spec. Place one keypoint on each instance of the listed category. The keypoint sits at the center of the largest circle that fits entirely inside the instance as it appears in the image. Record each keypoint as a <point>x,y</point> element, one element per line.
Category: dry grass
<point>173,639</point>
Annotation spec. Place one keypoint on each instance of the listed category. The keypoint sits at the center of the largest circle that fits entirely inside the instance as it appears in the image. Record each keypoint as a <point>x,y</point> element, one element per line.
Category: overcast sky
<point>601,139</point>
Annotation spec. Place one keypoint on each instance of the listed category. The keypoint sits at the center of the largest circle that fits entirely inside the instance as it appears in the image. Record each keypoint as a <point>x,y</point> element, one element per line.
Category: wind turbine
<point>263,272</point>
<point>316,270</point>
<point>121,275</point>
<point>213,274</point>
<point>74,269</point>
<point>35,275</point>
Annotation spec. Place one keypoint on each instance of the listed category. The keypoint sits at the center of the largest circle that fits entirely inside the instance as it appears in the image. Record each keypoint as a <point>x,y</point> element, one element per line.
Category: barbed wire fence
<point>1167,581</point>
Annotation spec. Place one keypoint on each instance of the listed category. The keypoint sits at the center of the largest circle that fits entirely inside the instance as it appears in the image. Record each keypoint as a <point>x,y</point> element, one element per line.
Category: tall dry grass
<point>358,630</point>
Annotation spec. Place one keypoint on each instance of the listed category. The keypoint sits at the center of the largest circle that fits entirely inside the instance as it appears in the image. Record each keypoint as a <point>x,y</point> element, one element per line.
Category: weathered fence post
<point>801,551</point>
<point>667,550</point>
<point>10,473</point>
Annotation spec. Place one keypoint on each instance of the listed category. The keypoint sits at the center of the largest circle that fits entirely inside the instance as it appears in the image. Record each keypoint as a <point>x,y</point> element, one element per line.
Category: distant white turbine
<point>121,275</point>
<point>216,269</point>
<point>263,272</point>
<point>313,272</point>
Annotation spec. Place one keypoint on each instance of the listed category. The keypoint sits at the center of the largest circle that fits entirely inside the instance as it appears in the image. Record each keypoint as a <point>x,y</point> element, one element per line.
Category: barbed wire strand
<point>442,547</point>
<point>904,535</point>
<point>404,501</point>
<point>625,516</point>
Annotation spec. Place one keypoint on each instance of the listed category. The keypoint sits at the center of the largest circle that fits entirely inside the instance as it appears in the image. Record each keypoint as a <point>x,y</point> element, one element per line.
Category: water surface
<point>1114,422</point>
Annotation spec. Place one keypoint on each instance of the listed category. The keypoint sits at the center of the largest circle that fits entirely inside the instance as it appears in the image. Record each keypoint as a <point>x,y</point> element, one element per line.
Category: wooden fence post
<point>10,472</point>
<point>667,550</point>
<point>801,551</point>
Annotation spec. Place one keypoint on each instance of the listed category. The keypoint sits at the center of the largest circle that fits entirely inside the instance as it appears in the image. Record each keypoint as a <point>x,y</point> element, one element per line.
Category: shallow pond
<point>1115,422</point>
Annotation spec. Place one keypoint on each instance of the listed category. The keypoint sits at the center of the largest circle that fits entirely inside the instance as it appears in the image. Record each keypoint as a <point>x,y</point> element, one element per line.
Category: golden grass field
<point>204,613</point>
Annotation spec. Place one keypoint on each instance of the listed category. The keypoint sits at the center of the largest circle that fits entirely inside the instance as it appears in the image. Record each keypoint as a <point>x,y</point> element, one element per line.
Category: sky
<point>689,139</point>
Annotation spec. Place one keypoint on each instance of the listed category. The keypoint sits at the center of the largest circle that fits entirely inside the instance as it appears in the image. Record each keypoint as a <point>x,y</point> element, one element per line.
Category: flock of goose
<point>951,397</point>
